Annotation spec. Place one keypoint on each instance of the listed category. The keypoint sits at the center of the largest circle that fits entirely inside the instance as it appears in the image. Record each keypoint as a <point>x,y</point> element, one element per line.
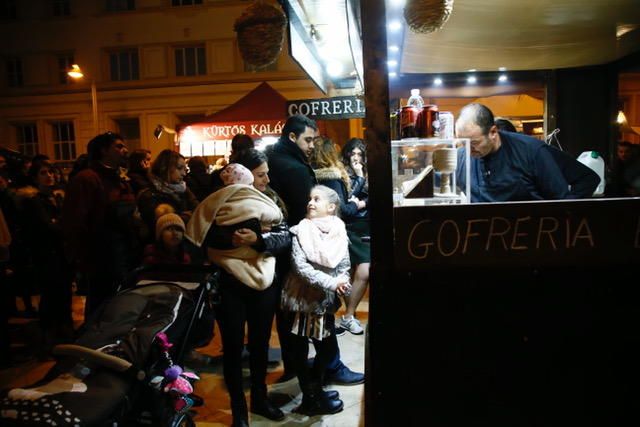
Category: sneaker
<point>352,325</point>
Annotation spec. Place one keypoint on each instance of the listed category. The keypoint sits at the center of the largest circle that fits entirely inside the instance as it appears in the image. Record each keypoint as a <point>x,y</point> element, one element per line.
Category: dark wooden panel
<point>570,233</point>
<point>586,108</point>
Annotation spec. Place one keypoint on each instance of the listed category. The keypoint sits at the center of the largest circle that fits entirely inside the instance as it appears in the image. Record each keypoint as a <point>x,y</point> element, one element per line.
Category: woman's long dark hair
<point>347,150</point>
<point>250,158</point>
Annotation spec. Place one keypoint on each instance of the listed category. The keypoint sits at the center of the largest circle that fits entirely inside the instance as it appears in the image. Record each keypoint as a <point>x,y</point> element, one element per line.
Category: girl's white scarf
<point>323,240</point>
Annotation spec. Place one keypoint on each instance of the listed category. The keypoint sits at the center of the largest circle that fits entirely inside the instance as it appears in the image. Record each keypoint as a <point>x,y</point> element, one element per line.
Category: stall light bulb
<point>334,68</point>
<point>472,80</point>
<point>394,48</point>
<point>437,81</point>
<point>395,25</point>
<point>398,3</point>
<point>502,78</point>
<point>502,69</point>
<point>393,74</point>
<point>621,119</point>
<point>392,63</point>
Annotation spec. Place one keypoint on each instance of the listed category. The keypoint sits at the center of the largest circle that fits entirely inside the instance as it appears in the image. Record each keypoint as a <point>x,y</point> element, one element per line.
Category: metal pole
<point>94,106</point>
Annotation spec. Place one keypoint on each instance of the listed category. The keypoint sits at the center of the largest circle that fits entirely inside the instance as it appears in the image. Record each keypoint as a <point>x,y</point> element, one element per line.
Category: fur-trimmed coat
<point>332,178</point>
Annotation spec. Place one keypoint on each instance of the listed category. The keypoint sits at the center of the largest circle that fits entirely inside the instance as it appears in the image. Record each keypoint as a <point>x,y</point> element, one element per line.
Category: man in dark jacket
<point>98,221</point>
<point>289,171</point>
<point>508,166</point>
<point>292,178</point>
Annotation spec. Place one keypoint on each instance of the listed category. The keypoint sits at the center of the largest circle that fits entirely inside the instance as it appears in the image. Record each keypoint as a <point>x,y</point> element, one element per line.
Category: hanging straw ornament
<point>260,31</point>
<point>427,16</point>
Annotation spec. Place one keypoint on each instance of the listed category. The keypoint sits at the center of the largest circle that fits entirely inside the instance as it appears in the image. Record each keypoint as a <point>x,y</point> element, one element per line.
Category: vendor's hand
<point>243,237</point>
<point>357,168</point>
<point>343,288</point>
<point>265,228</point>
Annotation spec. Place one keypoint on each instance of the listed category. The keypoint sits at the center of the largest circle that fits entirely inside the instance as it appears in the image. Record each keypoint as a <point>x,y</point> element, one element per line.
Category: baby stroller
<point>117,373</point>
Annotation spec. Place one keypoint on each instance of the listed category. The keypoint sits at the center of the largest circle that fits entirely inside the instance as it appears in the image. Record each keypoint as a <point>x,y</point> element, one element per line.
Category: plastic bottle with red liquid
<point>409,115</point>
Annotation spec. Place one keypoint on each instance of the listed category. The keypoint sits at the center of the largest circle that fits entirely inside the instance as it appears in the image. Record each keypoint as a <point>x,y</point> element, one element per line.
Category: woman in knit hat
<point>169,245</point>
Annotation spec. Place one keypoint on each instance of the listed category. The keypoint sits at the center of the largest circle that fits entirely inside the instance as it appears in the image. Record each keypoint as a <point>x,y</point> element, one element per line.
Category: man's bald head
<point>476,122</point>
<point>476,114</point>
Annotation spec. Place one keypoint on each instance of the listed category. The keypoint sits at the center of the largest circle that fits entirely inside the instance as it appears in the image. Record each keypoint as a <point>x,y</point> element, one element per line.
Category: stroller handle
<point>105,360</point>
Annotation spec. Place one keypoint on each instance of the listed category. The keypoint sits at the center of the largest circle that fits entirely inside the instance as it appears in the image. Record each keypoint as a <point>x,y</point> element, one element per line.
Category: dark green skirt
<point>359,251</point>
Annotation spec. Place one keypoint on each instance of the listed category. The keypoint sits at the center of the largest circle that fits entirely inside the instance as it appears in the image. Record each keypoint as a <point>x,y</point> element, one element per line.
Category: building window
<point>7,9</point>
<point>64,65</point>
<point>124,65</point>
<point>14,72</point>
<point>61,8</point>
<point>27,137</point>
<point>130,131</point>
<point>185,2</point>
<point>190,61</point>
<point>120,5</point>
<point>64,141</point>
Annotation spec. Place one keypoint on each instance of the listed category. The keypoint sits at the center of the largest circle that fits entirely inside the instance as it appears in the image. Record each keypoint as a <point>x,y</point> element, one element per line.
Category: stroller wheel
<point>182,420</point>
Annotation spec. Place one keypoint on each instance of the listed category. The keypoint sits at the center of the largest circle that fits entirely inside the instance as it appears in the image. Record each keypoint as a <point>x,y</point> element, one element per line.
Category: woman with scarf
<point>234,225</point>
<point>167,187</point>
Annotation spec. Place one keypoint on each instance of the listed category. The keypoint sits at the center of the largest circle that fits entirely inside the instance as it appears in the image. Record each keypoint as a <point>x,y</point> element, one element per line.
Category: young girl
<point>319,272</point>
<point>169,245</point>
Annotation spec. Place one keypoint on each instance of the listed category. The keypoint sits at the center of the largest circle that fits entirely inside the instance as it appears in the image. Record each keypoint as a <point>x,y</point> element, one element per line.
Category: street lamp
<point>76,73</point>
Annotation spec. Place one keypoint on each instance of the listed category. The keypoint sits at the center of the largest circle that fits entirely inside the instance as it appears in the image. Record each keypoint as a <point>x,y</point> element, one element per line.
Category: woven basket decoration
<point>427,16</point>
<point>260,31</point>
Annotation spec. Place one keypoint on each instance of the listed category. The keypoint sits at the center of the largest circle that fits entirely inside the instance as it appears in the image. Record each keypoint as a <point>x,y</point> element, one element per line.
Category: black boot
<point>260,405</point>
<point>240,422</point>
<point>316,402</point>
<point>331,394</point>
<point>239,411</point>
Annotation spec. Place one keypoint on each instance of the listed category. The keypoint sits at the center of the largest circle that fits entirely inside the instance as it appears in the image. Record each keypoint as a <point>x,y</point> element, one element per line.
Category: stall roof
<point>262,103</point>
<point>525,35</point>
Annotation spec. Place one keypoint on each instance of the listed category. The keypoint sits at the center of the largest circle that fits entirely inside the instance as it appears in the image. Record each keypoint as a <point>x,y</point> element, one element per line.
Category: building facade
<point>152,62</point>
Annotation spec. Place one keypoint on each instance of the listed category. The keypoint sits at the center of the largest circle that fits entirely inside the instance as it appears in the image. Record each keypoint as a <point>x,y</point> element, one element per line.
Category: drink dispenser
<point>445,161</point>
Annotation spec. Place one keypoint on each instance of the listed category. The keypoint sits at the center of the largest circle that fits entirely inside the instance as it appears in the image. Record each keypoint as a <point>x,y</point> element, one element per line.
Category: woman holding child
<point>242,229</point>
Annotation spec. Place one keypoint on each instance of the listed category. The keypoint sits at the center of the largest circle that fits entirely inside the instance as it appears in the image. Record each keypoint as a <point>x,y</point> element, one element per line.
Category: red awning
<point>263,111</point>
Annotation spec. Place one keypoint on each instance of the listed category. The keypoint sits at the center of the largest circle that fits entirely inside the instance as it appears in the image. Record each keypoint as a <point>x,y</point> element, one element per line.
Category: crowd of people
<point>274,223</point>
